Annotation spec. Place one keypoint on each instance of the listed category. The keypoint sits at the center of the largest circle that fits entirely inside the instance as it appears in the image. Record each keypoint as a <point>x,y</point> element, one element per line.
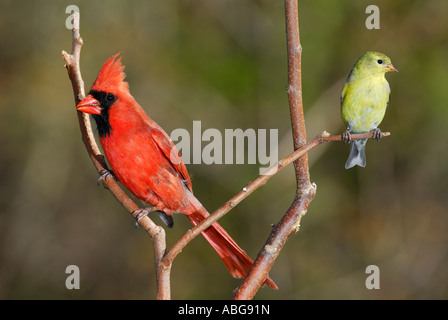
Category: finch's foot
<point>346,137</point>
<point>377,134</point>
<point>104,174</point>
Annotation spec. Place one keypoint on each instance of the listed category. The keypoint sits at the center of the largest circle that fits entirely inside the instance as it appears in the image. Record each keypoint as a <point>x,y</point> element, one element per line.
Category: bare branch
<point>294,89</point>
<point>156,232</point>
<point>305,190</point>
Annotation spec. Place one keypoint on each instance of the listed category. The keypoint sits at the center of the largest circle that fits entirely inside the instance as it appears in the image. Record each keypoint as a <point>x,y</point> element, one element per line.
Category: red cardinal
<point>145,160</point>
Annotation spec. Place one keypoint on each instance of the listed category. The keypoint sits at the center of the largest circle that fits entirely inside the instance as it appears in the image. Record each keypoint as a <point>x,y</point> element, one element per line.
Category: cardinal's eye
<point>110,97</point>
<point>379,61</point>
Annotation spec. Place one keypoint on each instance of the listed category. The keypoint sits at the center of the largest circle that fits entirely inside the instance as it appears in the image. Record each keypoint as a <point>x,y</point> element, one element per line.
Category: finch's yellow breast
<point>364,102</point>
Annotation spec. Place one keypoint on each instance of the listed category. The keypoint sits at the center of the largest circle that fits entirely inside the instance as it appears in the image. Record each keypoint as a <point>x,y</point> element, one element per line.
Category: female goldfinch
<point>364,101</point>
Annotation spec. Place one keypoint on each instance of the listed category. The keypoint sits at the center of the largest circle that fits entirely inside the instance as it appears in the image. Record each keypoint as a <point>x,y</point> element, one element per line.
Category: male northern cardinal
<point>146,161</point>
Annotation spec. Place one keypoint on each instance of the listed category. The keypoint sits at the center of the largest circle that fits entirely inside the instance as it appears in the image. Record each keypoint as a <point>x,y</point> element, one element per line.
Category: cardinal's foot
<point>105,174</point>
<point>140,214</point>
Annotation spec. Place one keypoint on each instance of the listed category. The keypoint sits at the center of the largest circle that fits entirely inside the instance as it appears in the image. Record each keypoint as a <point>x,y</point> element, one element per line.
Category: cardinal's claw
<point>104,174</point>
<point>140,214</point>
<point>377,134</point>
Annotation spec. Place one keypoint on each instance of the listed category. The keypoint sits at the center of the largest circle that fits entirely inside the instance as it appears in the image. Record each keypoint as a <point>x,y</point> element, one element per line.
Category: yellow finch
<point>364,101</point>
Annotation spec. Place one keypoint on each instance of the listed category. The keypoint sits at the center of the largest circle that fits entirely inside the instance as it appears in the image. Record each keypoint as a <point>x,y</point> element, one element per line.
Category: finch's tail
<point>357,154</point>
<point>236,260</point>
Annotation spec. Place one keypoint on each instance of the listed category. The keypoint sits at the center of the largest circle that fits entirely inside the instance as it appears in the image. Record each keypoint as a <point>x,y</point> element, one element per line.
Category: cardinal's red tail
<point>236,260</point>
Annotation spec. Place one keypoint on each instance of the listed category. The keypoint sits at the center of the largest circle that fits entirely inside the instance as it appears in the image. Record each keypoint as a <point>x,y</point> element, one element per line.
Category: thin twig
<point>294,89</point>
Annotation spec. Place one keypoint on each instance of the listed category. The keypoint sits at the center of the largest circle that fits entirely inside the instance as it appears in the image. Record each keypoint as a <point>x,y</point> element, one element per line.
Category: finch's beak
<point>390,67</point>
<point>89,105</point>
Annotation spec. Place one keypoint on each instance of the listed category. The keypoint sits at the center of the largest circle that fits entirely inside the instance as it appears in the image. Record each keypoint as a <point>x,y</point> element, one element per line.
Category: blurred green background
<point>224,63</point>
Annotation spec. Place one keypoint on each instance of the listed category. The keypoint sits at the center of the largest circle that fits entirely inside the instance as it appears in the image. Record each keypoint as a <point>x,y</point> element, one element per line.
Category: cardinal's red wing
<point>170,151</point>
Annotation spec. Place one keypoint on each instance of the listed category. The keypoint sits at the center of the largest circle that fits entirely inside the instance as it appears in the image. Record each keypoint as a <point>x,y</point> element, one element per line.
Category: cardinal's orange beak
<point>89,105</point>
<point>390,67</point>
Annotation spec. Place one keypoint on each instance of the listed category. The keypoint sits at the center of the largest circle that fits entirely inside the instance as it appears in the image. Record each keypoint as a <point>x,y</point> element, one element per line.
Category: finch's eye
<point>110,97</point>
<point>379,61</point>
